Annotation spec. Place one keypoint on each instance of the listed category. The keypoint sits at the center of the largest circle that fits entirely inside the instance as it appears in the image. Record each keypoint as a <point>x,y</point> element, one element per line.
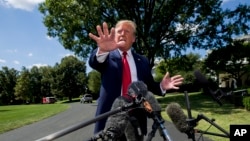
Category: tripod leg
<point>152,133</point>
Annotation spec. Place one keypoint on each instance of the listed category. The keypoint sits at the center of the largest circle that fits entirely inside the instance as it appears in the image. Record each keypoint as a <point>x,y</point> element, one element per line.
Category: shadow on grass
<point>198,102</point>
<point>5,110</point>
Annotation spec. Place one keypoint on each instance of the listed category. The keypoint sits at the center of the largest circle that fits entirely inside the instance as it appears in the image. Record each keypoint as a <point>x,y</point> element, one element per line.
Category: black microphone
<point>178,117</point>
<point>124,122</point>
<point>139,90</point>
<point>207,88</point>
<point>180,120</point>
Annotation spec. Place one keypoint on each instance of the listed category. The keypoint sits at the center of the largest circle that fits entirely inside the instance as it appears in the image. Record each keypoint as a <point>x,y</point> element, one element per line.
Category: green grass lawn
<point>12,117</point>
<point>224,115</point>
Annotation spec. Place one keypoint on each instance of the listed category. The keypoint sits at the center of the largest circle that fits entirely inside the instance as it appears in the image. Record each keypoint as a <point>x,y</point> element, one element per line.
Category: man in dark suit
<point>107,59</point>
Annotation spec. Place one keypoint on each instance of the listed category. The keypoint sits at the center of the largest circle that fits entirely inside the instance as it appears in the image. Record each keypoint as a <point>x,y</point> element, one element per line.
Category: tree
<point>8,78</point>
<point>184,65</point>
<point>94,82</point>
<point>23,86</point>
<point>70,79</point>
<point>233,59</point>
<point>46,81</point>
<point>163,26</point>
<point>35,83</point>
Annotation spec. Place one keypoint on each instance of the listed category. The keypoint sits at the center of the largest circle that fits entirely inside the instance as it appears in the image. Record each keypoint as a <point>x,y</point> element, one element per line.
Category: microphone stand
<point>84,124</point>
<point>211,121</point>
<point>159,124</point>
<point>193,122</point>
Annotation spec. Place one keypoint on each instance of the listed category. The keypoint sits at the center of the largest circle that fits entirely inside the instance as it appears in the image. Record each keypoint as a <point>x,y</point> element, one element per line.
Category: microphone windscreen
<point>177,116</point>
<point>137,88</point>
<point>201,78</point>
<point>152,101</point>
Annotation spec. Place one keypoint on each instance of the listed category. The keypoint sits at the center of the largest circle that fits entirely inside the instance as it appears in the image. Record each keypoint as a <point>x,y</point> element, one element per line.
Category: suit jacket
<point>111,80</point>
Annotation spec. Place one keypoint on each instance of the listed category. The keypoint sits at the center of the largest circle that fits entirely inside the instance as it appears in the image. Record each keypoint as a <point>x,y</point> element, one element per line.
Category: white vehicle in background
<point>86,98</point>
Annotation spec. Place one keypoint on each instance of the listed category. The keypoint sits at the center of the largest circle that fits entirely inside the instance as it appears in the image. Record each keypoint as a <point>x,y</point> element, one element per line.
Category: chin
<point>122,48</point>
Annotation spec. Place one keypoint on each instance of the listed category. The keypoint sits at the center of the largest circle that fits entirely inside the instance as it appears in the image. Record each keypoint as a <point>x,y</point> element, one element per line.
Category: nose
<point>122,32</point>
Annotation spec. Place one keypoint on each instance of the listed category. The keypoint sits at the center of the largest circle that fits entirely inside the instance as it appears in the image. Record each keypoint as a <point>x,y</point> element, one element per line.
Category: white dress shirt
<point>102,57</point>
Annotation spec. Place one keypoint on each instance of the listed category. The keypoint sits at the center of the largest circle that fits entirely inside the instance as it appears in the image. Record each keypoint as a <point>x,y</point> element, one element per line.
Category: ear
<point>134,39</point>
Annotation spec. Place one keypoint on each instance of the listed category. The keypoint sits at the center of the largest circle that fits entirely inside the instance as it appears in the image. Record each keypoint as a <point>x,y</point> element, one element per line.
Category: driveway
<point>77,113</point>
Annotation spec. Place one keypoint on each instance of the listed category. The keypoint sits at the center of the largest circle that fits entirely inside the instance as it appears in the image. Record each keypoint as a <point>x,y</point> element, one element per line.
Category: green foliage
<point>183,65</point>
<point>230,59</point>
<point>67,79</point>
<point>246,103</point>
<point>8,78</point>
<point>70,77</point>
<point>94,83</point>
<point>162,26</point>
<point>23,86</point>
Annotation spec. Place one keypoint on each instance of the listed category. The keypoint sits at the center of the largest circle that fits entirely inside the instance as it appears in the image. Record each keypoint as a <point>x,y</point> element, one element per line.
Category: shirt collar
<point>129,53</point>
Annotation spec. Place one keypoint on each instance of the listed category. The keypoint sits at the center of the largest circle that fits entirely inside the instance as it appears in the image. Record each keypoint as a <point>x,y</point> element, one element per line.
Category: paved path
<point>77,113</point>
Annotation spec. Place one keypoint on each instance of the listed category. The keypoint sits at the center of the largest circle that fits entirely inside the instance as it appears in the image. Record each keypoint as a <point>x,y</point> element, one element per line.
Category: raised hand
<point>174,82</point>
<point>105,39</point>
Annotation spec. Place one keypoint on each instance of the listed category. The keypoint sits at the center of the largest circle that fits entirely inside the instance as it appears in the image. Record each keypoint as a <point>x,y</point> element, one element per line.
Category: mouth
<point>122,39</point>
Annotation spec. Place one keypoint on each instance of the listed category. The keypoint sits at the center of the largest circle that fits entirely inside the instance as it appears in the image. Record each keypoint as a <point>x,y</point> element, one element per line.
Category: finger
<point>177,83</point>
<point>178,79</point>
<point>99,30</point>
<point>166,76</point>
<point>177,76</point>
<point>105,29</point>
<point>176,88</point>
<point>112,33</point>
<point>92,36</point>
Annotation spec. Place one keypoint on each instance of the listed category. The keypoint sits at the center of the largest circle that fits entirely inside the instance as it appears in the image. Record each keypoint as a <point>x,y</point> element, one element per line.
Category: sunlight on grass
<point>15,116</point>
<point>224,115</point>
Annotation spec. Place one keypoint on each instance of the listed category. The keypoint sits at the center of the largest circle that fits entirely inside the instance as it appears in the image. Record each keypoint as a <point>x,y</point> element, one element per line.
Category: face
<point>124,35</point>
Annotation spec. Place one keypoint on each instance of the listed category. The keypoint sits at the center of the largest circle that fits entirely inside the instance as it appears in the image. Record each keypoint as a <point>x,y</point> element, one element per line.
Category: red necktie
<point>126,76</point>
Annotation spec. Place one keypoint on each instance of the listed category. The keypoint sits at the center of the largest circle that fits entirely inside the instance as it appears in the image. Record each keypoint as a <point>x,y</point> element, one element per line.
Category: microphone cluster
<point>132,123</point>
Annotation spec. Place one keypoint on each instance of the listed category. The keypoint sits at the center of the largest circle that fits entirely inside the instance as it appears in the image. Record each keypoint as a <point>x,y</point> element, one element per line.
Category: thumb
<point>166,75</point>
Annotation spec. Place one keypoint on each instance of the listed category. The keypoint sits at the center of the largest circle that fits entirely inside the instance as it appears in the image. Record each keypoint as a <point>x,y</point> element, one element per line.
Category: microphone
<point>180,120</point>
<point>150,98</point>
<point>207,87</point>
<point>133,119</point>
<point>138,89</point>
<point>178,117</point>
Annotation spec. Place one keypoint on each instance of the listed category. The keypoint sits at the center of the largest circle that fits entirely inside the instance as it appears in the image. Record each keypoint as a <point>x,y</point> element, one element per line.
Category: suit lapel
<point>116,58</point>
<point>138,64</point>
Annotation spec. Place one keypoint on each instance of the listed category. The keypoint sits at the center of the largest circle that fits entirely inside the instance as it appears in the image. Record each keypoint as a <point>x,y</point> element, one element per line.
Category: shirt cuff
<point>101,57</point>
<point>163,92</point>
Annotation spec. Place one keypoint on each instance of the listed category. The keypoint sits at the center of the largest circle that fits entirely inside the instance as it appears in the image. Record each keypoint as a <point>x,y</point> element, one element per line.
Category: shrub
<point>246,103</point>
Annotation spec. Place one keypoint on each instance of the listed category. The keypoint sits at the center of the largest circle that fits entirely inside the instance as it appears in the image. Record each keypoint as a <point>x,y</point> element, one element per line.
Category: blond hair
<point>131,23</point>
